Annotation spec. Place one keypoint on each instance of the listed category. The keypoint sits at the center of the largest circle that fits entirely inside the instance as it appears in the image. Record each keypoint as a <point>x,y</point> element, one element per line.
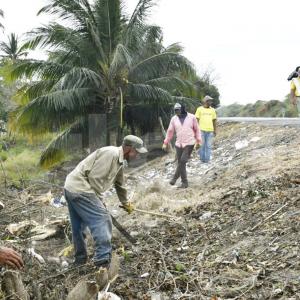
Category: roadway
<point>263,121</point>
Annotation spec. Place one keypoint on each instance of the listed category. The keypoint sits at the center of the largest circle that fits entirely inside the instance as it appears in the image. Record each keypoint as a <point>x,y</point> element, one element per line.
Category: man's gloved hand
<point>164,147</point>
<point>128,206</point>
<point>197,146</point>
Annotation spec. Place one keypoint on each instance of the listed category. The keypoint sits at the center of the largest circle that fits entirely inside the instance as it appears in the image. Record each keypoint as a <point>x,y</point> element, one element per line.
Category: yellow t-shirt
<point>206,117</point>
<point>293,87</point>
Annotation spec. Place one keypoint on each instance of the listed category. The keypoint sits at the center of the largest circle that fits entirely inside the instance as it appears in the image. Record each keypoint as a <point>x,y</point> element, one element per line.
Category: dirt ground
<point>234,235</point>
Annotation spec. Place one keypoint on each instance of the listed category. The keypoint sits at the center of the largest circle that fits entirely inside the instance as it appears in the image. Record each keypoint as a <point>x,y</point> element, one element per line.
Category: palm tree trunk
<point>85,133</point>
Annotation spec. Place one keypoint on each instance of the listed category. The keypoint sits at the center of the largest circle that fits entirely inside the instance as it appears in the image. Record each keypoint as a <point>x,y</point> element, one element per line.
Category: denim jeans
<point>87,210</point>
<point>205,149</point>
<point>298,105</point>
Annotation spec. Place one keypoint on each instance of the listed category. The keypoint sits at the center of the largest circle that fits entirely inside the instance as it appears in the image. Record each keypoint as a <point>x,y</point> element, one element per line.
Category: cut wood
<point>13,286</point>
<point>84,290</point>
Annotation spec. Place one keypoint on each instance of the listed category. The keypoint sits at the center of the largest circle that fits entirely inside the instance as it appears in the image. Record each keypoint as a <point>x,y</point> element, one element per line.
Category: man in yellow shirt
<point>207,118</point>
<point>295,89</point>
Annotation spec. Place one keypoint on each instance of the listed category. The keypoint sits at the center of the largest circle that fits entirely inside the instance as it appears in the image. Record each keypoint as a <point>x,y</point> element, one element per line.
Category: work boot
<point>78,263</point>
<point>102,264</point>
<point>172,181</point>
<point>184,185</point>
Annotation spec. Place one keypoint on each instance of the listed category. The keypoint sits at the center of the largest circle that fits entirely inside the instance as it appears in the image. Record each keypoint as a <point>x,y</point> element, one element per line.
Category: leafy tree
<point>205,87</point>
<point>100,62</point>
<point>272,108</point>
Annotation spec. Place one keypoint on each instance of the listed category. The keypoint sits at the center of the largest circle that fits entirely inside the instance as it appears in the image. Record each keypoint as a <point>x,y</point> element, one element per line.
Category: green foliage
<point>19,160</point>
<point>12,49</point>
<point>179,267</point>
<point>3,156</point>
<point>205,87</point>
<point>100,60</point>
<point>6,94</point>
<point>272,108</point>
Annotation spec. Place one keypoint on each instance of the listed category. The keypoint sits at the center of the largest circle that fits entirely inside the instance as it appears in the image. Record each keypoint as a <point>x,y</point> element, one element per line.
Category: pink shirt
<point>186,134</point>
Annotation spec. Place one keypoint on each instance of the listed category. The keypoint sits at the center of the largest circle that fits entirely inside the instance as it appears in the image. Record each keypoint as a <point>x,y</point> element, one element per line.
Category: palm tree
<point>1,15</point>
<point>11,49</point>
<point>102,62</point>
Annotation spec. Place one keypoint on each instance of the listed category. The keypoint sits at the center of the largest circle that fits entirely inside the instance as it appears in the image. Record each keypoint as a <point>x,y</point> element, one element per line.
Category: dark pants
<point>183,155</point>
<point>88,210</point>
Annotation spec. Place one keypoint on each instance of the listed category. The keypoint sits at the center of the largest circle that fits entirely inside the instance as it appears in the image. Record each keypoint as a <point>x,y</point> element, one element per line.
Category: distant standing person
<point>188,134</point>
<point>295,88</point>
<point>207,118</point>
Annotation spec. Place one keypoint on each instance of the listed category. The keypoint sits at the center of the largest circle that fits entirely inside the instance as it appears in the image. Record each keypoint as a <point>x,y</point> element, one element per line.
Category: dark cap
<point>135,142</point>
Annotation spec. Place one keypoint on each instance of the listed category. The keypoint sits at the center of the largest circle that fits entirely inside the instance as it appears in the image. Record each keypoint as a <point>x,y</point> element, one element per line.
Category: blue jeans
<point>87,210</point>
<point>205,149</point>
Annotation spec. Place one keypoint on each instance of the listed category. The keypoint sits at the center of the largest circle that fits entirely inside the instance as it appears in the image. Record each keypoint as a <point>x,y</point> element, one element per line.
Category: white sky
<point>252,46</point>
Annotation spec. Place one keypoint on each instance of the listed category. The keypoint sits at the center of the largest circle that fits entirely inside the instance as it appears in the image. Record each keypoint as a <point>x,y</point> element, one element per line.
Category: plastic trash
<point>241,144</point>
<point>108,296</point>
<point>58,201</point>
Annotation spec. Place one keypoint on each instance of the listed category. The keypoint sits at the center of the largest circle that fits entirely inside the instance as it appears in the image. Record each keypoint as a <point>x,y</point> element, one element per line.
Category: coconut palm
<point>12,49</point>
<point>102,62</point>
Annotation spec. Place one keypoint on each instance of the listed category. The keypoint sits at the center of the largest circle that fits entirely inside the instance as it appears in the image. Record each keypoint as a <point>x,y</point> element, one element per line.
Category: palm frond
<point>137,23</point>
<point>53,35</point>
<point>144,93</point>
<point>33,90</point>
<point>120,59</point>
<point>39,68</point>
<point>67,10</point>
<point>11,48</point>
<point>52,110</point>
<point>108,20</point>
<point>171,83</point>
<point>190,103</point>
<point>56,149</point>
<point>140,13</point>
<point>80,78</point>
<point>162,65</point>
<point>175,48</point>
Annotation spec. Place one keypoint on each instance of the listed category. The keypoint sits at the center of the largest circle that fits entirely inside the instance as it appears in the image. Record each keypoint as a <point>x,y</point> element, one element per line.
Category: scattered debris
<point>35,255</point>
<point>237,236</point>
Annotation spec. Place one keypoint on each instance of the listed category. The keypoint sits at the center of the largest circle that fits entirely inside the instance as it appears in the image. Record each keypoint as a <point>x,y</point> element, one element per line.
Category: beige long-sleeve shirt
<point>98,172</point>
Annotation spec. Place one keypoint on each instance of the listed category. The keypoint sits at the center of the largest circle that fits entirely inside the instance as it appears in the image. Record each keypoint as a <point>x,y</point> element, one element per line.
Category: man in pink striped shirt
<point>188,134</point>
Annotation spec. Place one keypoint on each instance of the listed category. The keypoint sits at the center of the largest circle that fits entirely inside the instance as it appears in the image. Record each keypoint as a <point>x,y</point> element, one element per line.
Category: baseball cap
<point>207,98</point>
<point>135,142</point>
<point>177,106</point>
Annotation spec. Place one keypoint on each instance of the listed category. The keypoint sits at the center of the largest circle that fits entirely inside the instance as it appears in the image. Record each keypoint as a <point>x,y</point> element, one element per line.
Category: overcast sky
<point>252,46</point>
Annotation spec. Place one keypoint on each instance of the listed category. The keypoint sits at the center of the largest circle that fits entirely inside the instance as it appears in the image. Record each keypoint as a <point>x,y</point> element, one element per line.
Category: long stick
<point>269,217</point>
<point>154,213</point>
